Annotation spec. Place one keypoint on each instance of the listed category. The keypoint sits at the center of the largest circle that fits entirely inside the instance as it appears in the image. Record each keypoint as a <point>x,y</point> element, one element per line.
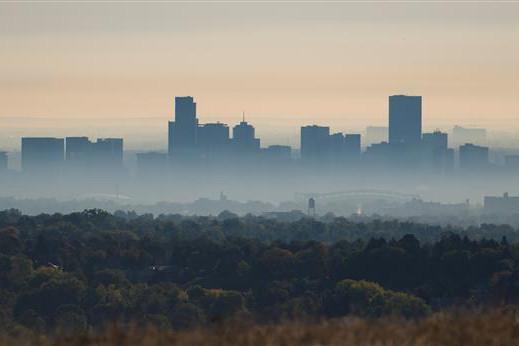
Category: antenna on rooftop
<point>243,116</point>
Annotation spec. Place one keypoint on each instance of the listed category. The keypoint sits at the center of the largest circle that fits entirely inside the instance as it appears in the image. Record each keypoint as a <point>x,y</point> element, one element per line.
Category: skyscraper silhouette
<point>405,119</point>
<point>244,138</point>
<point>42,154</point>
<point>182,132</point>
<point>213,139</point>
<point>315,143</point>
<point>473,157</point>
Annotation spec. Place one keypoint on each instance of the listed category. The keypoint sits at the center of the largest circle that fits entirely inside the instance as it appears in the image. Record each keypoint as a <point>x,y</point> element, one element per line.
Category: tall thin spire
<point>243,116</point>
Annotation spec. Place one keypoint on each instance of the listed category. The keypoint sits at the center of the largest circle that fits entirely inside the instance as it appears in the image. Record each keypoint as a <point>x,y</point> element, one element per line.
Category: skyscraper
<point>435,140</point>
<point>352,146</point>
<point>108,152</point>
<point>99,158</point>
<point>213,139</point>
<point>182,132</point>
<point>436,155</point>
<point>315,143</point>
<point>77,149</point>
<point>405,119</point>
<point>243,138</point>
<point>473,157</point>
<point>42,154</point>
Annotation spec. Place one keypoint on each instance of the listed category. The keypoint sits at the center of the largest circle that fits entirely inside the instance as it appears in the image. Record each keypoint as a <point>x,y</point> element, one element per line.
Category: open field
<point>490,328</point>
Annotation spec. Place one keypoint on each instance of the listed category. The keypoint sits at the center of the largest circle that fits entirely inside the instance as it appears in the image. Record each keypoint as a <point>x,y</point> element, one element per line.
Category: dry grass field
<point>492,328</point>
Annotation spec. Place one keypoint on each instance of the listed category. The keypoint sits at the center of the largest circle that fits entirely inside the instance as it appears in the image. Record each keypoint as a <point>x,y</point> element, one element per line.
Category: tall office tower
<point>182,132</point>
<point>77,149</point>
<point>405,119</point>
<point>3,161</point>
<point>435,140</point>
<point>243,138</point>
<point>380,154</point>
<point>213,139</point>
<point>435,153</point>
<point>352,146</point>
<point>336,148</point>
<point>315,143</point>
<point>108,152</point>
<point>42,154</point>
<point>473,156</point>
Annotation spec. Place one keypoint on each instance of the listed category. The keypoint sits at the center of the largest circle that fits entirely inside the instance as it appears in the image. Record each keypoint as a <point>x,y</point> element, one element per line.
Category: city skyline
<point>113,67</point>
<point>190,142</point>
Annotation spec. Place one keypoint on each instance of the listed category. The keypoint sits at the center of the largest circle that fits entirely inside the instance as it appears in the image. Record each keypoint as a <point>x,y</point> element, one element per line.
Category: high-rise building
<point>42,154</point>
<point>336,148</point>
<point>405,119</point>
<point>243,138</point>
<point>183,131</point>
<point>105,153</point>
<point>108,152</point>
<point>3,161</point>
<point>77,149</point>
<point>352,146</point>
<point>473,156</point>
<point>436,155</point>
<point>277,154</point>
<point>435,140</point>
<point>380,154</point>
<point>315,143</point>
<point>213,139</point>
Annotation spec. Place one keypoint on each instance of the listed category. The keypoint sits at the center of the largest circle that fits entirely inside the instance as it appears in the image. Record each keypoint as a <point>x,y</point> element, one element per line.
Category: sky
<point>112,69</point>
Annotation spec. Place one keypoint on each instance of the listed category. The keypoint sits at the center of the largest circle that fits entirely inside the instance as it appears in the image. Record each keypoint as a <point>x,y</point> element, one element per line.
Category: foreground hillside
<point>492,328</point>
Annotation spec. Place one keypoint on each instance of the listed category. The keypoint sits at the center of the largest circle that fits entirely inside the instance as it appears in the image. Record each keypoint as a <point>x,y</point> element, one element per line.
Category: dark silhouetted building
<point>336,148</point>
<point>213,139</point>
<point>473,156</point>
<point>405,119</point>
<point>243,138</point>
<point>315,143</point>
<point>104,154</point>
<point>501,205</point>
<point>277,154</point>
<point>352,145</point>
<point>343,148</point>
<point>77,149</point>
<point>435,140</point>
<point>108,152</point>
<point>3,161</point>
<point>42,154</point>
<point>436,155</point>
<point>183,131</point>
<point>380,154</point>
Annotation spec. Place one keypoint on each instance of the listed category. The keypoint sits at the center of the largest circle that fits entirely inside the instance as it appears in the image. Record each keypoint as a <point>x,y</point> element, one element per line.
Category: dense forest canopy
<point>87,269</point>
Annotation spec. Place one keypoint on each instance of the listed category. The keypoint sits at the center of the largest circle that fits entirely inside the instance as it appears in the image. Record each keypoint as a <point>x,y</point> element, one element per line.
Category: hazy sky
<point>112,69</point>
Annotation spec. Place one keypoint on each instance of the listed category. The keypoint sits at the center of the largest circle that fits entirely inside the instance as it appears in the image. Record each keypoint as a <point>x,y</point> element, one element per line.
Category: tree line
<point>85,270</point>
